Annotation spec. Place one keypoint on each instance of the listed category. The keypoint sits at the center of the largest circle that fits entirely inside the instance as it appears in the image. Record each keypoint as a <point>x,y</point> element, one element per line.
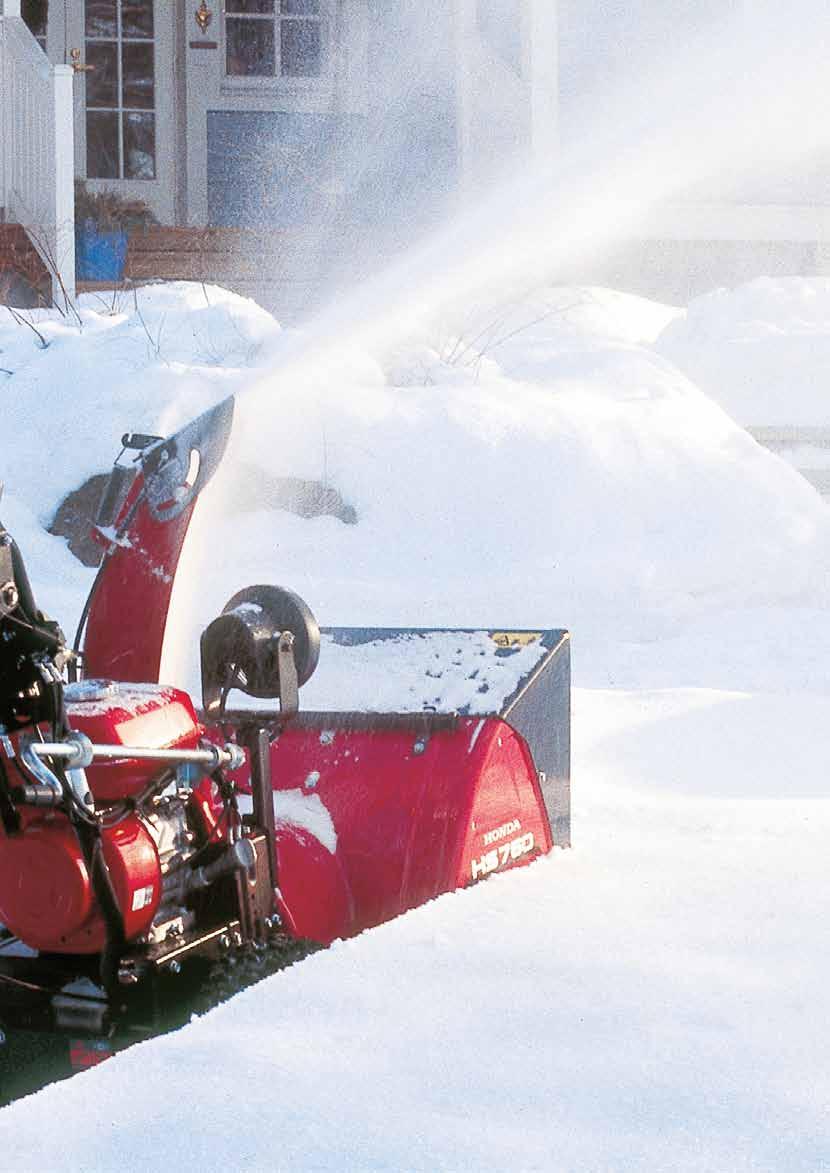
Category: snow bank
<point>59,580</point>
<point>647,1001</point>
<point>145,360</point>
<point>541,467</point>
<point>761,350</point>
<point>536,464</point>
<point>556,473</point>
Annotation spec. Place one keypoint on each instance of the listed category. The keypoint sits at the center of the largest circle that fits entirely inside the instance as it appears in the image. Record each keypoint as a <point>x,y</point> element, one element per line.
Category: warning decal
<point>515,639</point>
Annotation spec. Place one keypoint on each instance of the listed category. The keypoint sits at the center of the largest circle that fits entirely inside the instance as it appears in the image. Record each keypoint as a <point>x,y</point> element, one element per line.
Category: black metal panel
<point>541,712</point>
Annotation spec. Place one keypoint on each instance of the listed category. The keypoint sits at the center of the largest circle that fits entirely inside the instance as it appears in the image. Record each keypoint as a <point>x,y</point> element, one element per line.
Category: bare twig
<point>155,343</point>
<point>112,304</point>
<point>24,321</point>
<point>493,335</point>
<point>50,261</point>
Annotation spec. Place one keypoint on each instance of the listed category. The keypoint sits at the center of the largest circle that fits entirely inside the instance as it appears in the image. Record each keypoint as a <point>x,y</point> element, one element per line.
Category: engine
<point>117,826</point>
<point>46,882</point>
<point>160,836</point>
<point>122,850</point>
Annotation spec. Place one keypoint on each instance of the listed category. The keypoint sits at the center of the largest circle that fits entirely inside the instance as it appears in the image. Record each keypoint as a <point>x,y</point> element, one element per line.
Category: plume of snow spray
<point>734,100</point>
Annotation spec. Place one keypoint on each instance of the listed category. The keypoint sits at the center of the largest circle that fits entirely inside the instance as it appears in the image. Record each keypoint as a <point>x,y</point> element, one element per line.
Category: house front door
<point>124,99</point>
<point>273,87</point>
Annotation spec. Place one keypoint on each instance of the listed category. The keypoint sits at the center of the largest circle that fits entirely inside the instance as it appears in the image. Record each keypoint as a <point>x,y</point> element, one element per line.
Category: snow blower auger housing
<point>136,833</point>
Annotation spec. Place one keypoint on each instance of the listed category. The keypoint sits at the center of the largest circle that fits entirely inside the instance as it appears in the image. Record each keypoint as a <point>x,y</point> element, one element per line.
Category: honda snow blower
<point>138,835</point>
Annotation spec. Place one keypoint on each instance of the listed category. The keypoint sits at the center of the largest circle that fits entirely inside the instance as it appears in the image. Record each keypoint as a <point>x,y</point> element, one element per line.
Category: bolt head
<point>8,595</point>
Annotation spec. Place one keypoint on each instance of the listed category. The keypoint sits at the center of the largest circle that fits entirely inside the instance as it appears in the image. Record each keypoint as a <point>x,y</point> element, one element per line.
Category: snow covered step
<point>804,447</point>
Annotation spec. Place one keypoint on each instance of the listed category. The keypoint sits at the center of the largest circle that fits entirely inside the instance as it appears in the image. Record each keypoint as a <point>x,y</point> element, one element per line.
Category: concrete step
<point>780,437</point>
<point>805,447</point>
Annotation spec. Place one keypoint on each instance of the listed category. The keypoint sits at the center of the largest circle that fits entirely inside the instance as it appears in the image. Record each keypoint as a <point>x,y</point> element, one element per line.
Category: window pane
<point>34,14</point>
<point>139,146</point>
<point>100,18</point>
<point>137,18</point>
<point>300,46</point>
<point>102,79</point>
<point>101,145</point>
<point>300,7</point>
<point>137,81</point>
<point>250,47</point>
<point>249,6</point>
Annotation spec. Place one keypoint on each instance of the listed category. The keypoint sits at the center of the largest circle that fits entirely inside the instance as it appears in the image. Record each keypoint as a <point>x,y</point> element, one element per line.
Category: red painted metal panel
<point>411,813</point>
<point>128,615</point>
<point>131,597</point>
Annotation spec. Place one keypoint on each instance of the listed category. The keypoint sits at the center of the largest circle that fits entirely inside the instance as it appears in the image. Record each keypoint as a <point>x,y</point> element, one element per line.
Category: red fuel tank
<point>148,715</point>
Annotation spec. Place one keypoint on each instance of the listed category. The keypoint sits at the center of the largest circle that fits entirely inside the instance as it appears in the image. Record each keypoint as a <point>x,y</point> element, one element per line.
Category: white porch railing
<point>37,148</point>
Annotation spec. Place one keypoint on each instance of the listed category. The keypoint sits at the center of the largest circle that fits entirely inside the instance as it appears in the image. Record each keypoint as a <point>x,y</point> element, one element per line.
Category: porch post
<point>4,130</point>
<point>465,31</point>
<point>64,186</point>
<point>544,78</point>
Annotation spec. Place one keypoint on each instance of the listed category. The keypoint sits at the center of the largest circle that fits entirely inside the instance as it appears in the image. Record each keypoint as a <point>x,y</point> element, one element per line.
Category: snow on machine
<point>138,833</point>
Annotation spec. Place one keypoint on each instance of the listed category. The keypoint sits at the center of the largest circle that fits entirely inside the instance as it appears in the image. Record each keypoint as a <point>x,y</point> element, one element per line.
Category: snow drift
<point>760,350</point>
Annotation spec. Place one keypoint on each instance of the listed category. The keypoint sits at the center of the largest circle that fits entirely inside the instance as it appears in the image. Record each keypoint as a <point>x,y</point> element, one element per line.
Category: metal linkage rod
<point>78,752</point>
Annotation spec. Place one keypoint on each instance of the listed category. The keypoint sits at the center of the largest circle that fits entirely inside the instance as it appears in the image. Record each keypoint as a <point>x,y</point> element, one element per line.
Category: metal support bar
<point>230,757</point>
<point>289,685</point>
<point>257,741</point>
<point>417,722</point>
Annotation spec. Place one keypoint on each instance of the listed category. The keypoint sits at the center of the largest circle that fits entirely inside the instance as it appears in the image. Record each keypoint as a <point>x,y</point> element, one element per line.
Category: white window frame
<point>120,109</point>
<point>279,80</point>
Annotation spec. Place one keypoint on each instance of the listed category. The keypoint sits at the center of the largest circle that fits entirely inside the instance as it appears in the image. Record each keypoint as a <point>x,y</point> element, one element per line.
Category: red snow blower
<point>137,833</point>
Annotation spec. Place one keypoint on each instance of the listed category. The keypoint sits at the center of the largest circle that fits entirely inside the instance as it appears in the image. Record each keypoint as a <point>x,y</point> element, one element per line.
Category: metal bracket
<point>6,743</point>
<point>289,688</point>
<point>257,741</point>
<point>8,589</point>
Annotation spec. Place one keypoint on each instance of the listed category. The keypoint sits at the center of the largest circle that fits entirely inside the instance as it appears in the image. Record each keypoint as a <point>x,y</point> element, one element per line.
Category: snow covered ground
<point>654,998</point>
